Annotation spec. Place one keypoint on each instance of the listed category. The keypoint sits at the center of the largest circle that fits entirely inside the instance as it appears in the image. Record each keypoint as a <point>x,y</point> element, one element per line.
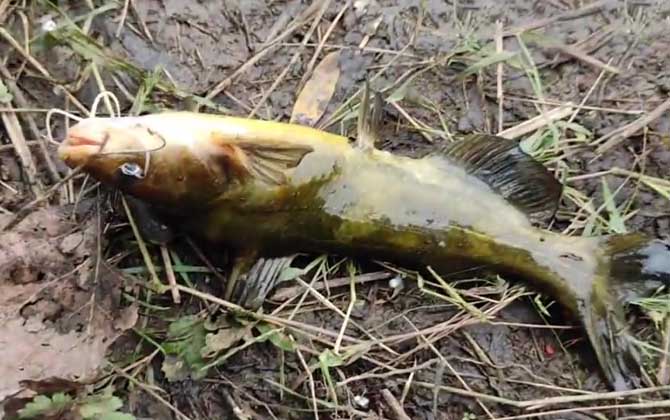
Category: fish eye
<point>132,170</point>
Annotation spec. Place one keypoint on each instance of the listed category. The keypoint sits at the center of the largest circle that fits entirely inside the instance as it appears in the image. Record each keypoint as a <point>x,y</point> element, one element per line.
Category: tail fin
<point>631,266</point>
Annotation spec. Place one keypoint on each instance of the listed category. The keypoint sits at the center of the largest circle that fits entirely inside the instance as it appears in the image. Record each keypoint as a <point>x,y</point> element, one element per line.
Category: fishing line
<point>92,113</point>
<point>135,151</point>
<point>114,113</point>
<point>48,122</point>
<point>147,152</point>
<point>99,97</point>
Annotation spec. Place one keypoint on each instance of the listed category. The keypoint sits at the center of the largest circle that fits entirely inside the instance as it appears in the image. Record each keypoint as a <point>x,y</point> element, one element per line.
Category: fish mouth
<point>76,149</point>
<point>73,140</point>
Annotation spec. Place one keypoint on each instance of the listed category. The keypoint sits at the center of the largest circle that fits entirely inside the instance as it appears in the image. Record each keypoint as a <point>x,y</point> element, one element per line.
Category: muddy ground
<point>196,49</point>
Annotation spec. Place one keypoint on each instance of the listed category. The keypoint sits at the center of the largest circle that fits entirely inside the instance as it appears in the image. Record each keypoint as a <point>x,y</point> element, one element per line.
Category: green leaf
<point>175,369</point>
<point>329,359</point>
<point>42,406</point>
<point>616,222</point>
<point>290,273</point>
<point>116,416</point>
<point>5,96</point>
<point>185,340</point>
<point>276,337</point>
<point>493,58</point>
<point>537,300</point>
<point>99,405</point>
<point>147,86</point>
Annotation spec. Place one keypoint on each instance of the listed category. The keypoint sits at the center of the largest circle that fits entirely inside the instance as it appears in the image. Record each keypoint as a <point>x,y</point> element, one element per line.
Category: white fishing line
<point>62,112</point>
<point>91,114</point>
<point>99,97</point>
<point>114,113</point>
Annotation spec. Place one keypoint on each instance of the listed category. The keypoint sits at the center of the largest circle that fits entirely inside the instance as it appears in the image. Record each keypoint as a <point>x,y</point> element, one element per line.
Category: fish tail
<point>629,267</point>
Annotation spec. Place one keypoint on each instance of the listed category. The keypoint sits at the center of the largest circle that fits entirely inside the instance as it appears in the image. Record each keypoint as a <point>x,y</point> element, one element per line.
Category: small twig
<point>150,391</point>
<point>577,53</point>
<point>289,292</point>
<point>238,412</point>
<point>266,49</point>
<point>347,316</point>
<point>15,44</point>
<point>412,121</point>
<point>124,14</point>
<point>386,375</point>
<point>143,24</point>
<point>294,59</point>
<point>586,107</point>
<point>471,394</point>
<point>537,122</point>
<point>499,76</point>
<point>408,385</point>
<point>663,375</point>
<point>15,134</point>
<point>569,15</point>
<point>25,210</point>
<point>281,322</point>
<point>4,6</point>
<point>617,136</point>
<point>204,259</point>
<point>621,407</point>
<point>394,405</point>
<point>344,316</point>
<point>312,387</point>
<point>8,37</point>
<point>21,100</point>
<point>140,243</point>
<point>169,272</point>
<point>587,96</point>
<point>444,363</point>
<point>315,56</point>
<point>544,402</point>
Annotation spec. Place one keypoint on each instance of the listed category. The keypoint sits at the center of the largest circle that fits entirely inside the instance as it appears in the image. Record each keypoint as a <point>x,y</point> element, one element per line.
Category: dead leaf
<point>50,327</point>
<point>317,92</point>
<point>224,339</point>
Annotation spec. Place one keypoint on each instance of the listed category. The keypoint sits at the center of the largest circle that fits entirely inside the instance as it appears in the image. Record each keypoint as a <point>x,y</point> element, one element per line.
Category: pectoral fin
<point>264,161</point>
<point>499,162</point>
<point>148,222</point>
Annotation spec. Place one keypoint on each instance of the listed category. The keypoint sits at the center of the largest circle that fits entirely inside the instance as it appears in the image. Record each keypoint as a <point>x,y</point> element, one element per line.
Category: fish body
<point>279,188</point>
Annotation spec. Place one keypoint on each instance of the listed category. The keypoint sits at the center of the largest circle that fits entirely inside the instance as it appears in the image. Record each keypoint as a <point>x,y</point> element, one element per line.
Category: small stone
<point>396,282</point>
<point>361,401</point>
<point>70,243</point>
<point>48,25</point>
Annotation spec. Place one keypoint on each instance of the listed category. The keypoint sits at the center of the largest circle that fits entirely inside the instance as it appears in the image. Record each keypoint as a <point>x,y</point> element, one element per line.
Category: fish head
<point>154,163</point>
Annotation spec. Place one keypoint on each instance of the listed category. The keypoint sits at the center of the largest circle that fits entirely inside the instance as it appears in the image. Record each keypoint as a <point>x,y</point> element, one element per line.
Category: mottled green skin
<point>210,175</point>
<point>424,212</point>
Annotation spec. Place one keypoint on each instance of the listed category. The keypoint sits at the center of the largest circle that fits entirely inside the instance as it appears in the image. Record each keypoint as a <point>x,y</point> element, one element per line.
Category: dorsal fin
<point>499,162</point>
<point>369,120</point>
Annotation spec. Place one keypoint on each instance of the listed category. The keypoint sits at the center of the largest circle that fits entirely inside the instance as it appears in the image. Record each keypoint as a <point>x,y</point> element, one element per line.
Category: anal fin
<point>254,286</point>
<point>508,170</point>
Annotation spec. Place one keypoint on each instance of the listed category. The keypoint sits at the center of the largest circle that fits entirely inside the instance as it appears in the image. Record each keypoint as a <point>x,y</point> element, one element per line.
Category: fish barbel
<point>277,188</point>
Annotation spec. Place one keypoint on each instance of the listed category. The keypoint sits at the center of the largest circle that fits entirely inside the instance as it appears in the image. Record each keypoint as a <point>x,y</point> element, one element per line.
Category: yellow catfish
<point>272,189</point>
